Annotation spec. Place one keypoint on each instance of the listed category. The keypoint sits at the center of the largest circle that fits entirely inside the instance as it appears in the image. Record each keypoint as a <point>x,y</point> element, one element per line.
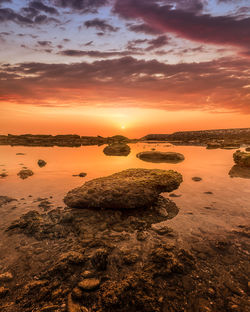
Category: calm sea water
<point>226,208</point>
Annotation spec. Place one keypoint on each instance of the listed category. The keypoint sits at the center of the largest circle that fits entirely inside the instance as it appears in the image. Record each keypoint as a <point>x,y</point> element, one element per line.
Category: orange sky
<point>124,66</point>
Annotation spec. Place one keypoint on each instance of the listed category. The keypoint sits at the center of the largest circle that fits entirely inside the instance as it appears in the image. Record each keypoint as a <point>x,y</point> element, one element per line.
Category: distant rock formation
<point>161,157</point>
<point>117,149</point>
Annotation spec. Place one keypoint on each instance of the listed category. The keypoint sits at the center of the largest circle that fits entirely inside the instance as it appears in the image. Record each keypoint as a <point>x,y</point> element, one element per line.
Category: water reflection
<point>239,172</point>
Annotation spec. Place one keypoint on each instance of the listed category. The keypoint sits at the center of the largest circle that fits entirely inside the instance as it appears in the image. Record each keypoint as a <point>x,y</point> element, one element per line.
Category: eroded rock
<point>25,173</point>
<point>117,149</point>
<point>128,189</point>
<point>242,158</point>
<point>160,157</point>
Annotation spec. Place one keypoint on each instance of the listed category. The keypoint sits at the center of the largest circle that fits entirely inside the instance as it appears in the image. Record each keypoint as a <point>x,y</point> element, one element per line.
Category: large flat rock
<point>128,189</point>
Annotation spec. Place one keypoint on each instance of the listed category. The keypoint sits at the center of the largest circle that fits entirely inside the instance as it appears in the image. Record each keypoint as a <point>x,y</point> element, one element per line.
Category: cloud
<point>205,28</point>
<point>96,54</point>
<point>217,85</point>
<point>80,5</point>
<point>157,43</point>
<point>101,24</point>
<point>144,28</point>
<point>31,16</point>
<point>153,44</point>
<point>44,43</point>
<point>42,7</point>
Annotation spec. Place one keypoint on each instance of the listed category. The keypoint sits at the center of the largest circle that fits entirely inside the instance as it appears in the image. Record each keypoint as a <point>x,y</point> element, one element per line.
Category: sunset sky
<point>133,67</point>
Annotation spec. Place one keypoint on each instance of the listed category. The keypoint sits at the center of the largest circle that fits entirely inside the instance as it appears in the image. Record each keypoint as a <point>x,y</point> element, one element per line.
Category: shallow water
<point>226,208</point>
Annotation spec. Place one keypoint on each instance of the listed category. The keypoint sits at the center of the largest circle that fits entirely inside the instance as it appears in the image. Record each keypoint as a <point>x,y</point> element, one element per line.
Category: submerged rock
<point>117,149</point>
<point>25,173</point>
<point>242,158</point>
<point>41,163</point>
<point>128,189</point>
<point>81,175</point>
<point>160,157</point>
<point>5,200</point>
<point>213,145</point>
<point>3,175</point>
<point>197,179</point>
<point>239,172</point>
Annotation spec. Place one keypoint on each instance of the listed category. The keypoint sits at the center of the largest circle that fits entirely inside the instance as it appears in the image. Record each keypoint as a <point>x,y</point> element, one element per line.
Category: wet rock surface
<point>25,173</point>
<point>41,163</point>
<point>128,189</point>
<point>117,149</point>
<point>161,157</point>
<point>91,260</point>
<point>5,200</point>
<point>242,158</point>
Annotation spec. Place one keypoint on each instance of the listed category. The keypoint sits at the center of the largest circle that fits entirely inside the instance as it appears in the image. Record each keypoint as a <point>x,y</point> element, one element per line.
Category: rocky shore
<point>218,138</point>
<point>71,140</point>
<point>120,255</point>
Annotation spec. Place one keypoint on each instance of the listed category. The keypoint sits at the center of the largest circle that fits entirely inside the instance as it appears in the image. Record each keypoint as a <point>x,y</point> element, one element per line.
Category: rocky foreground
<point>104,259</point>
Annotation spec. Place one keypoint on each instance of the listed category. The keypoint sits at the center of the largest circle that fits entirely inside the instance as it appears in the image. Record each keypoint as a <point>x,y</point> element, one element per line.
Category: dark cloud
<point>44,43</point>
<point>42,7</point>
<point>222,84</point>
<point>80,5</point>
<point>7,15</point>
<point>222,30</point>
<point>29,16</point>
<point>153,44</point>
<point>144,28</point>
<point>101,24</point>
<point>157,43</point>
<point>96,54</point>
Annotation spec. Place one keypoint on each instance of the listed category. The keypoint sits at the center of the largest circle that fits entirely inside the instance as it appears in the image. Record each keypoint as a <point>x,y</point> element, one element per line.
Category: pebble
<point>89,284</point>
<point>6,277</point>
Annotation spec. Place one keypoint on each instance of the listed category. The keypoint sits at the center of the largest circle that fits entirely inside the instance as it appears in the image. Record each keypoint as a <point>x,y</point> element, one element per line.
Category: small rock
<point>41,163</point>
<point>141,235</point>
<point>6,277</point>
<point>25,173</point>
<point>209,193</point>
<point>100,259</point>
<point>3,292</point>
<point>89,284</point>
<point>174,195</point>
<point>19,154</point>
<point>196,179</point>
<point>77,293</point>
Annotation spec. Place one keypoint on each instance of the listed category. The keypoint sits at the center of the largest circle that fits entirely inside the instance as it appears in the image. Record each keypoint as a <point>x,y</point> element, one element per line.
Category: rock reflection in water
<point>240,172</point>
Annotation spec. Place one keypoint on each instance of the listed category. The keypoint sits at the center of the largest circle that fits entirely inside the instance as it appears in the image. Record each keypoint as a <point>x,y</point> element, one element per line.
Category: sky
<point>131,67</point>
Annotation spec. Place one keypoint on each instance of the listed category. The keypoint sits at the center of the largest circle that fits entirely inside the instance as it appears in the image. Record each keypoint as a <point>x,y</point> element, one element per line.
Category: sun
<point>123,127</point>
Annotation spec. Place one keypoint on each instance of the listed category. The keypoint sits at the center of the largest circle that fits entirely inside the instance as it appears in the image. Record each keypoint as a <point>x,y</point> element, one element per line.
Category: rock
<point>197,179</point>
<point>89,284</point>
<point>25,173</point>
<point>239,172</point>
<point>81,175</point>
<point>208,193</point>
<point>128,189</point>
<point>213,145</point>
<point>19,154</point>
<point>160,157</point>
<point>242,158</point>
<point>41,163</point>
<point>3,175</point>
<point>3,292</point>
<point>6,277</point>
<point>161,229</point>
<point>72,257</point>
<point>141,235</point>
<point>5,200</point>
<point>174,195</point>
<point>100,259</point>
<point>72,306</point>
<point>247,149</point>
<point>117,149</point>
